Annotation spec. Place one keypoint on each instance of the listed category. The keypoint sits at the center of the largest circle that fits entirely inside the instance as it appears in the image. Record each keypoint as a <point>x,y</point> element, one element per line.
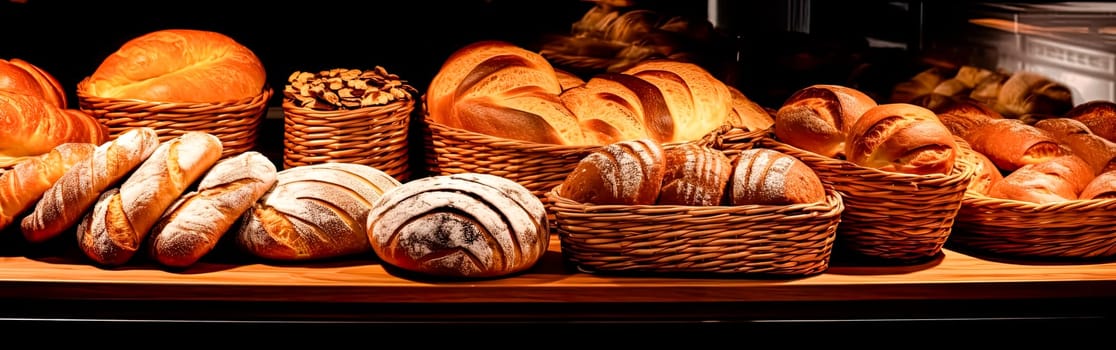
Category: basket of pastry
<point>641,207</point>
<point>35,116</point>
<point>499,109</point>
<point>180,80</point>
<point>895,165</point>
<point>348,116</point>
<point>1042,190</point>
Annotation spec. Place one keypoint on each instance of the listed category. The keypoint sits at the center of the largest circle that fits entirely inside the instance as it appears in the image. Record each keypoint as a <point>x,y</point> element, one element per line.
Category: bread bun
<point>818,118</point>
<point>695,175</point>
<point>31,126</point>
<point>314,212</point>
<point>763,176</point>
<point>1095,150</point>
<point>626,172</point>
<point>1099,116</point>
<point>902,138</point>
<point>191,227</point>
<point>178,65</point>
<point>23,77</point>
<point>1011,144</point>
<point>1102,187</point>
<point>462,225</point>
<point>21,187</point>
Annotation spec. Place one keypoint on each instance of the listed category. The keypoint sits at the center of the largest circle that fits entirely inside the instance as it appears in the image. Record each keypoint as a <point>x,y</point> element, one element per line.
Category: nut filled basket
<point>348,115</point>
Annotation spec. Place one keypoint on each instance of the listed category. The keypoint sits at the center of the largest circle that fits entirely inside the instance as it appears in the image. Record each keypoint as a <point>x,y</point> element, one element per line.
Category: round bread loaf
<point>314,212</point>
<point>695,175</point>
<point>462,225</point>
<point>902,138</point>
<point>626,172</point>
<point>818,118</point>
<point>769,177</point>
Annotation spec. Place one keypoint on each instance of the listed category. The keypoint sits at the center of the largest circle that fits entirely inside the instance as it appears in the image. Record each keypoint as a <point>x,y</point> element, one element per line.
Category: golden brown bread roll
<point>902,138</point>
<point>1028,93</point>
<point>818,118</point>
<point>1011,144</point>
<point>1102,187</point>
<point>191,227</point>
<point>21,187</point>
<point>314,212</point>
<point>22,76</point>
<point>695,175</point>
<point>30,126</point>
<point>768,177</point>
<point>1054,180</point>
<point>123,216</point>
<point>985,173</point>
<point>1095,150</point>
<point>68,199</point>
<point>178,65</point>
<point>626,172</point>
<point>462,225</point>
<point>1099,116</point>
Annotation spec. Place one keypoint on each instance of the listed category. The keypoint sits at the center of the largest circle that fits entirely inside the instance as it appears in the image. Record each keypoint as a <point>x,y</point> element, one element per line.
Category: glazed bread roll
<point>462,225</point>
<point>763,176</point>
<point>695,176</point>
<point>1011,144</point>
<point>985,173</point>
<point>178,65</point>
<point>818,118</point>
<point>191,227</point>
<point>21,76</point>
<point>68,199</point>
<point>902,138</point>
<point>1055,180</point>
<point>314,212</point>
<point>626,172</point>
<point>503,90</point>
<point>1099,116</point>
<point>123,216</point>
<point>31,126</point>
<point>1102,187</point>
<point>21,187</point>
<point>1095,150</point>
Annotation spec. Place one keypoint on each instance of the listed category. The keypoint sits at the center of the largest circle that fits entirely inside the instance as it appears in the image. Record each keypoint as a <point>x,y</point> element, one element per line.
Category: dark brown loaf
<point>461,225</point>
<point>314,212</point>
<point>1011,144</point>
<point>818,118</point>
<point>768,177</point>
<point>626,172</point>
<point>902,138</point>
<point>193,225</point>
<point>68,199</point>
<point>695,175</point>
<point>21,187</point>
<point>122,218</point>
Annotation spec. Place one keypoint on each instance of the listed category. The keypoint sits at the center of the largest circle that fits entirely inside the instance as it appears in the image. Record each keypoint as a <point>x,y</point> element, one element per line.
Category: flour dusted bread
<point>763,176</point>
<point>314,212</point>
<point>178,65</point>
<point>191,227</point>
<point>461,225</point>
<point>31,126</point>
<point>21,187</point>
<point>695,175</point>
<point>818,118</point>
<point>902,138</point>
<point>121,220</point>
<point>68,199</point>
<point>626,172</point>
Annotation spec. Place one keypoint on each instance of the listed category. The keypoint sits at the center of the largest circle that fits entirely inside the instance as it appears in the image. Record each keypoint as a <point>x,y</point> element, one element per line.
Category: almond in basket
<point>343,89</point>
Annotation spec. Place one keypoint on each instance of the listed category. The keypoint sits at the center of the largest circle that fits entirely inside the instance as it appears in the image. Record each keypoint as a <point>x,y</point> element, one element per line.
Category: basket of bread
<point>180,80</point>
<point>641,207</point>
<point>895,164</point>
<point>500,109</point>
<point>348,116</point>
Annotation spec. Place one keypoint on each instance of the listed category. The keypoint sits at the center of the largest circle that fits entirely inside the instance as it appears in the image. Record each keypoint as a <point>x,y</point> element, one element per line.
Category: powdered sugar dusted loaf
<point>314,212</point>
<point>626,172</point>
<point>462,225</point>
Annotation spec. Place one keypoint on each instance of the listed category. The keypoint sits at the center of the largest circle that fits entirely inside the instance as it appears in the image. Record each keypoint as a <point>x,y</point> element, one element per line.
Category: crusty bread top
<point>22,76</point>
<point>179,65</point>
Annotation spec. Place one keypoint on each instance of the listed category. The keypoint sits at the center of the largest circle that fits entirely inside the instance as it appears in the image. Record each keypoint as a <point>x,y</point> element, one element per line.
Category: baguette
<point>21,187</point>
<point>64,203</point>
<point>122,217</point>
<point>193,225</point>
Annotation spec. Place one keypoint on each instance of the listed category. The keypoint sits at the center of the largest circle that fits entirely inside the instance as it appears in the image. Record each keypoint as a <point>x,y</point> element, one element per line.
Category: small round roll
<point>626,172</point>
<point>818,118</point>
<point>903,138</point>
<point>463,225</point>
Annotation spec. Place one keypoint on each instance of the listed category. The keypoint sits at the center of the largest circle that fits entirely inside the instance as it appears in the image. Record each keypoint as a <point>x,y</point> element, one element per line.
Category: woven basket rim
<point>833,200</point>
<point>977,198</point>
<point>265,92</point>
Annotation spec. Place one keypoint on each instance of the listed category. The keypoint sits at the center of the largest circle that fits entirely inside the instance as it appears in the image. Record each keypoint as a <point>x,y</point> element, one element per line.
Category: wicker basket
<point>1077,229</point>
<point>793,240</point>
<point>894,217</point>
<point>235,123</point>
<point>732,139</point>
<point>375,136</point>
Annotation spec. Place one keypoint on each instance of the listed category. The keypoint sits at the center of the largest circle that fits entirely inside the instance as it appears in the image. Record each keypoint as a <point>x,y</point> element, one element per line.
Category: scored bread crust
<point>21,187</point>
<point>626,172</point>
<point>903,138</point>
<point>762,176</point>
<point>817,118</point>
